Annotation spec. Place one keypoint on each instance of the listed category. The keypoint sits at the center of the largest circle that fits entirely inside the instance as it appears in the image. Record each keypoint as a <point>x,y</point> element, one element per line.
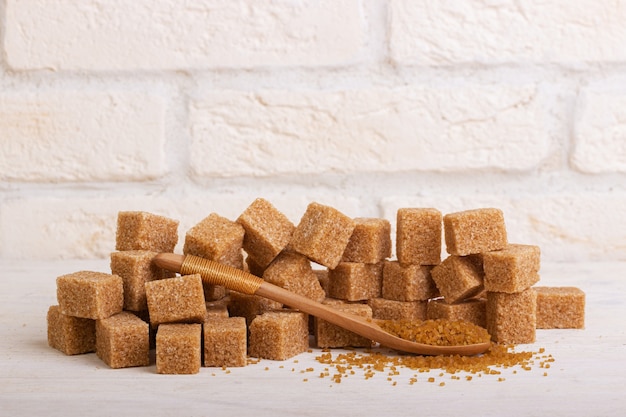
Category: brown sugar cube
<point>560,308</point>
<point>90,295</point>
<point>512,269</point>
<point>293,272</point>
<point>122,340</point>
<point>457,278</point>
<point>70,335</point>
<point>217,309</point>
<point>176,300</point>
<point>250,306</point>
<point>136,268</point>
<point>328,335</point>
<point>472,310</point>
<point>225,342</point>
<point>474,231</point>
<point>322,277</point>
<point>139,230</point>
<point>279,335</point>
<point>253,267</point>
<point>407,282</point>
<point>268,231</point>
<point>322,235</point>
<point>178,349</point>
<point>418,236</point>
<point>218,239</point>
<point>384,309</point>
<point>512,318</point>
<point>370,241</point>
<point>354,281</point>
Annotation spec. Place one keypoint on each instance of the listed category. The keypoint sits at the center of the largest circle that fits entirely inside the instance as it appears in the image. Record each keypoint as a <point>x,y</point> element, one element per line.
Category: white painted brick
<point>81,136</point>
<point>600,133</point>
<point>567,227</point>
<point>386,130</point>
<point>76,227</point>
<point>169,34</point>
<point>426,32</point>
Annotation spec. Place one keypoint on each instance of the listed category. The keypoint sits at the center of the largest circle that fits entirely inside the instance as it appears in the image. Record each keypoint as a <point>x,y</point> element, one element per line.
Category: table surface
<point>587,376</point>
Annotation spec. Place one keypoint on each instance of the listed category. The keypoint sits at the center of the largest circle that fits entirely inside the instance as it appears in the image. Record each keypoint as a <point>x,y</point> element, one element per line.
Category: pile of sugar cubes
<point>328,257</point>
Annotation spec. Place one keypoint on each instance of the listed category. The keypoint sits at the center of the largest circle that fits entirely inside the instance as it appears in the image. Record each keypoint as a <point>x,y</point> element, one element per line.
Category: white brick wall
<point>187,108</point>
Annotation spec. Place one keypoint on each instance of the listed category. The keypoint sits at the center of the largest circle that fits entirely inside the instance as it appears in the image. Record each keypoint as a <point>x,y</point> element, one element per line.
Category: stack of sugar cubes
<point>122,315</point>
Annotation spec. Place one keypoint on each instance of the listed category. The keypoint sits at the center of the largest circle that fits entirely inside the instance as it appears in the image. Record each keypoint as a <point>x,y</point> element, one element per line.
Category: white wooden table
<point>588,377</point>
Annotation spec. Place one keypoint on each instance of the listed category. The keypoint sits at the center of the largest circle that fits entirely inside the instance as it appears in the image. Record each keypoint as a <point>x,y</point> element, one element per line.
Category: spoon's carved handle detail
<point>219,274</point>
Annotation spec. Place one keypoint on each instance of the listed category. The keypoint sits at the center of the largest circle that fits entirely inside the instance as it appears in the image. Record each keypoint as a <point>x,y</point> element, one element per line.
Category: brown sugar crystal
<point>139,230</point>
<point>355,281</point>
<point>267,231</point>
<point>512,269</point>
<point>122,341</point>
<point>322,235</point>
<point>512,318</point>
<point>384,309</point>
<point>560,308</point>
<point>176,300</point>
<point>178,348</point>
<point>136,268</point>
<point>472,310</point>
<point>457,278</point>
<point>279,335</point>
<point>250,306</point>
<point>91,295</point>
<point>407,282</point>
<point>474,231</point>
<point>328,335</point>
<point>70,335</point>
<point>218,239</point>
<point>225,342</point>
<point>370,241</point>
<point>293,272</point>
<point>418,236</point>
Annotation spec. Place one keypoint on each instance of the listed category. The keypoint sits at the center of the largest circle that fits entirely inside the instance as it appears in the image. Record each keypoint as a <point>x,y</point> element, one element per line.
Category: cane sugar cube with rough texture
<point>512,318</point>
<point>122,340</point>
<point>176,300</point>
<point>253,267</point>
<point>328,335</point>
<point>384,309</point>
<point>178,349</point>
<point>218,239</point>
<point>225,342</point>
<point>407,282</point>
<point>472,310</point>
<point>322,235</point>
<point>474,231</point>
<point>279,335</point>
<point>267,231</point>
<point>293,272</point>
<point>70,335</point>
<point>457,278</point>
<point>512,269</point>
<point>560,308</point>
<point>135,267</point>
<point>90,295</point>
<point>250,306</point>
<point>322,278</point>
<point>217,309</point>
<point>354,281</point>
<point>370,241</point>
<point>139,230</point>
<point>418,236</point>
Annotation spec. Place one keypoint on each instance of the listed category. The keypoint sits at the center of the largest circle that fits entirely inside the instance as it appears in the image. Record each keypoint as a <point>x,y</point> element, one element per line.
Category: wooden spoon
<point>241,281</point>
